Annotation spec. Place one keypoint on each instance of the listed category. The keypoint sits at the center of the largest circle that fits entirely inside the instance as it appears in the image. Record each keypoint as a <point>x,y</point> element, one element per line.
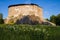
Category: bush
<point>11,21</point>
<point>29,32</point>
<point>1,18</point>
<point>1,21</point>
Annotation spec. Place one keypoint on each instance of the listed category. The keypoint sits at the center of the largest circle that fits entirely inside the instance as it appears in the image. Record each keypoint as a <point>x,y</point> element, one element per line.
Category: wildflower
<point>44,30</point>
<point>48,34</point>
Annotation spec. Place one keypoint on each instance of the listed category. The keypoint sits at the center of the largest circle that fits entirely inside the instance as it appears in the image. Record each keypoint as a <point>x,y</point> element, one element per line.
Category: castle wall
<point>25,10</point>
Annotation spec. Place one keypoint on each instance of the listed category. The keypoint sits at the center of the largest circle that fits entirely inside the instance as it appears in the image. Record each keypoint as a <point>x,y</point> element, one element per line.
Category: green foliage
<point>1,16</point>
<point>47,19</point>
<point>29,32</point>
<point>55,19</point>
<point>11,21</point>
<point>1,19</point>
<point>58,19</point>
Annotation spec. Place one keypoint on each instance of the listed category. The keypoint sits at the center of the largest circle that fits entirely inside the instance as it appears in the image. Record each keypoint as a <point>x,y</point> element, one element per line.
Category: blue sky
<point>50,7</point>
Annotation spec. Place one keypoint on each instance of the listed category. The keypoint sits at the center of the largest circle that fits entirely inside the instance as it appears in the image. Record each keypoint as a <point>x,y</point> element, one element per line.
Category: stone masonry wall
<point>24,10</point>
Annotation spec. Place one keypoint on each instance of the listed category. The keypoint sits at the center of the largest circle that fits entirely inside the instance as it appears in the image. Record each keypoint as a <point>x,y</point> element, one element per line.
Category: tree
<point>58,20</point>
<point>47,19</point>
<point>55,19</point>
<point>1,18</point>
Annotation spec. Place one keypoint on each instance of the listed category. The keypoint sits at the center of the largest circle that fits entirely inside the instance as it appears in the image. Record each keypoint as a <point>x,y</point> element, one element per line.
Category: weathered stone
<point>19,11</point>
<point>26,14</point>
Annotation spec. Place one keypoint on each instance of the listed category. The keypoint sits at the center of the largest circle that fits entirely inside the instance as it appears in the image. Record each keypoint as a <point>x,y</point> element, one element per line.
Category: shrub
<point>1,18</point>
<point>29,32</point>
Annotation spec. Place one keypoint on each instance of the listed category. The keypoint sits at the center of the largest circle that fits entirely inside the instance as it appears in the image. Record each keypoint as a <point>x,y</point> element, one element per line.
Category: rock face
<point>23,12</point>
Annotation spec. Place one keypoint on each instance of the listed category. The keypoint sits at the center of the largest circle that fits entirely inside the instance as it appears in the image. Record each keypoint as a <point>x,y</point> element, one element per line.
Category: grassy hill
<point>29,32</point>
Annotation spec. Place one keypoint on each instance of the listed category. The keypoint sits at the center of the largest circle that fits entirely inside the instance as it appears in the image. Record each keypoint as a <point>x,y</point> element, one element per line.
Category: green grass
<point>29,32</point>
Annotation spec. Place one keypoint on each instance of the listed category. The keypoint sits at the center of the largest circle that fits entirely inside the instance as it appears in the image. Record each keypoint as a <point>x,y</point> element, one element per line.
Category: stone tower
<point>18,11</point>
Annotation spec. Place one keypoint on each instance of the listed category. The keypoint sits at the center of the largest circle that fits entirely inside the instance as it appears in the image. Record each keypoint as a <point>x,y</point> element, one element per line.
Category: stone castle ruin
<point>25,14</point>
